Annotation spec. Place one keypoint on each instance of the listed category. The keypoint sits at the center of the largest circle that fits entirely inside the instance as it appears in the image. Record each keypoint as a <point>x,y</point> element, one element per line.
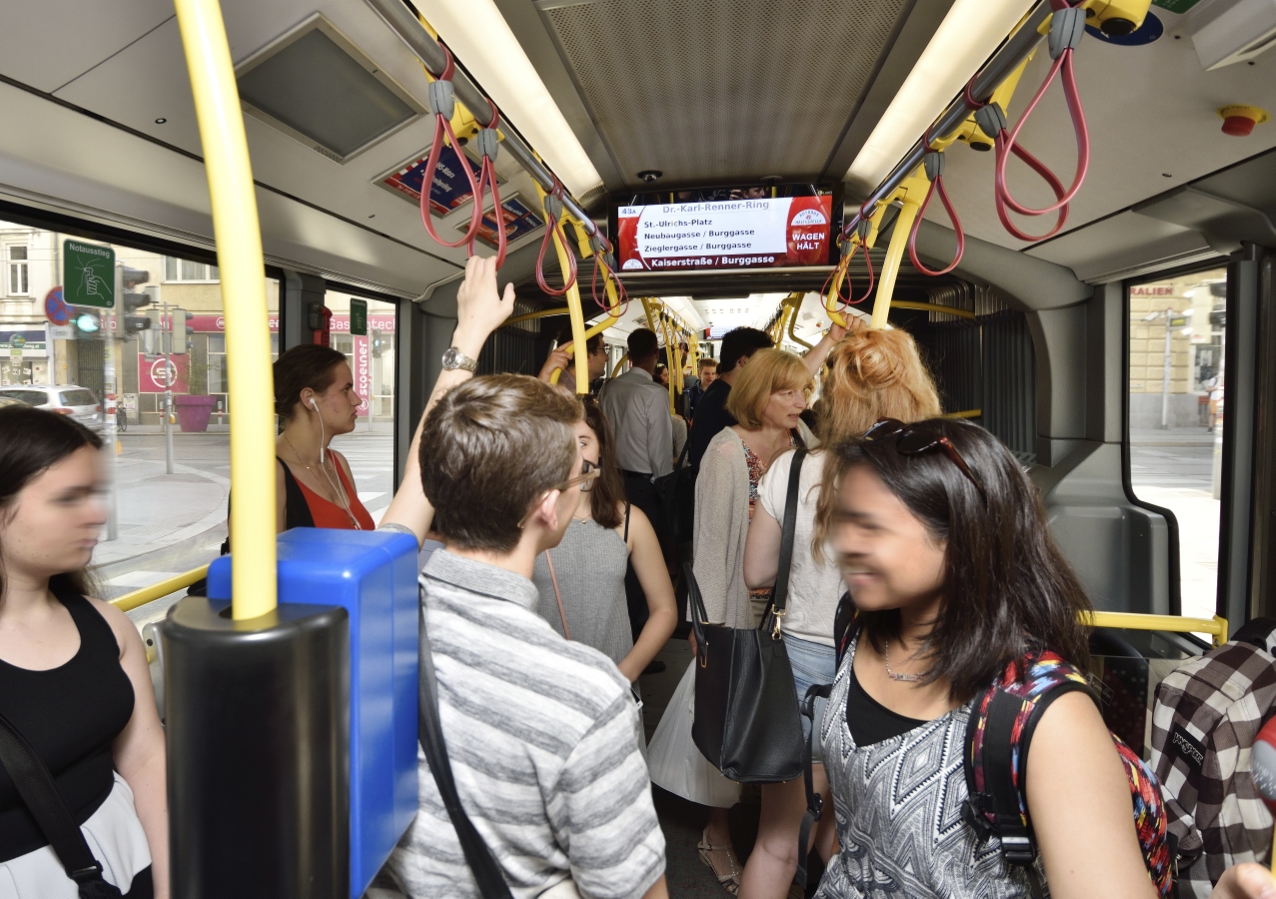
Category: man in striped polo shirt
<point>543,734</point>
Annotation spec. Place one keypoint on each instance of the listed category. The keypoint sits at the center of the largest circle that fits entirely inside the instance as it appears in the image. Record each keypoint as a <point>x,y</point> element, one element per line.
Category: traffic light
<point>377,343</point>
<point>87,321</point>
<point>180,340</point>
<point>134,276</point>
<point>134,324</point>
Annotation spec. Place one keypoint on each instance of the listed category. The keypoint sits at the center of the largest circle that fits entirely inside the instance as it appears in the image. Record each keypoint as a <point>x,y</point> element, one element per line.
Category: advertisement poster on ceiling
<point>451,187</point>
<point>519,220</point>
<point>746,233</point>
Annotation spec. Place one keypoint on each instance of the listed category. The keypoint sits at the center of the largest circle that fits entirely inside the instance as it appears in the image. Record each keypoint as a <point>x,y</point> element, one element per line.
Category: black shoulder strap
<point>814,801</point>
<point>626,521</point>
<point>487,873</point>
<point>35,785</point>
<point>780,594</point>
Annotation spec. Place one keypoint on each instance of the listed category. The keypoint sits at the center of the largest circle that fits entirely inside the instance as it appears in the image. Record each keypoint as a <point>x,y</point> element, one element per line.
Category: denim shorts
<point>812,663</point>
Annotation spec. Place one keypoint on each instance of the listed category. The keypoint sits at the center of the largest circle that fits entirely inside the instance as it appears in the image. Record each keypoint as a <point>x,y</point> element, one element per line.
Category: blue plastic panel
<point>373,575</point>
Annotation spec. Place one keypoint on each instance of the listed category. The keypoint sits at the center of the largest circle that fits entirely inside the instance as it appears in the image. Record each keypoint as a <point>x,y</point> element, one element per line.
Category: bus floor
<point>683,821</point>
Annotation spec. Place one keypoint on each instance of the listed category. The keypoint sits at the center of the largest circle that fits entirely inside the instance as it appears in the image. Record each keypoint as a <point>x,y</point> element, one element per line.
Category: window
<point>1176,357</point>
<point>184,270</point>
<point>19,277</point>
<point>217,382</point>
<point>77,398</point>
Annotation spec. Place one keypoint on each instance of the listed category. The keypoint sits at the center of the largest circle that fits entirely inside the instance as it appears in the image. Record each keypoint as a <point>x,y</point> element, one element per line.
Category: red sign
<point>154,374</point>
<point>216,324</point>
<point>362,374</point>
<point>1158,290</point>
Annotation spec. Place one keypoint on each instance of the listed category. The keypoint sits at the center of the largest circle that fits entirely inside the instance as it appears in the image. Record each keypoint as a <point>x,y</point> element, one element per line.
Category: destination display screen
<point>736,233</point>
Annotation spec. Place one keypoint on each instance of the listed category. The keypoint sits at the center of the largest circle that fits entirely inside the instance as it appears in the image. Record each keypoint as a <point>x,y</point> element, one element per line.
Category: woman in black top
<point>73,671</point>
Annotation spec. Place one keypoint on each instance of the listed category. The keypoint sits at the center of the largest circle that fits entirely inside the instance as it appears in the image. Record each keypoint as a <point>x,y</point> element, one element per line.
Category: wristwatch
<point>454,358</point>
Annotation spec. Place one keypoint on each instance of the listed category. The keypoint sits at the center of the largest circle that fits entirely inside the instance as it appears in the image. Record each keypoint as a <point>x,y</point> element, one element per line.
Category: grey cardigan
<point>722,527</point>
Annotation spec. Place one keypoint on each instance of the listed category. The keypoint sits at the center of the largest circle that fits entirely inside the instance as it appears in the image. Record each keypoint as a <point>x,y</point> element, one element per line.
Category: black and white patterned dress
<point>899,821</point>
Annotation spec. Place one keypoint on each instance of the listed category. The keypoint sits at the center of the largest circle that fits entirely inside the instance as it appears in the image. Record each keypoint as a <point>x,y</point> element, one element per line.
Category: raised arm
<point>816,355</point>
<point>480,310</point>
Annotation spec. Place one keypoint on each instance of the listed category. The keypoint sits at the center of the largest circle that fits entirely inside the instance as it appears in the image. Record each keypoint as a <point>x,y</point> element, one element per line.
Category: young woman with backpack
<point>957,585</point>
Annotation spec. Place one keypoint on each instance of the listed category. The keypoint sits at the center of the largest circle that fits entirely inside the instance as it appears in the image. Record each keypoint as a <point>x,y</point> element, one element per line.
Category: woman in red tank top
<point>315,398</point>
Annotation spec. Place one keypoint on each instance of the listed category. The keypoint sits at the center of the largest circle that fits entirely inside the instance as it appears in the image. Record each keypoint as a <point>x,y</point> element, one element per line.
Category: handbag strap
<point>780,595</point>
<point>487,873</point>
<point>34,783</point>
<point>562,616</point>
<point>814,801</point>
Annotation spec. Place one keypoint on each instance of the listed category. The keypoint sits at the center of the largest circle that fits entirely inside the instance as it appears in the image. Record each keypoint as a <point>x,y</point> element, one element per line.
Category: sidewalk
<point>1197,436</point>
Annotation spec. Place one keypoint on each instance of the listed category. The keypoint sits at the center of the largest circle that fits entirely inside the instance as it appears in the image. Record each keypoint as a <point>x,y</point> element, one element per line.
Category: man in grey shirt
<point>543,734</point>
<point>637,408</point>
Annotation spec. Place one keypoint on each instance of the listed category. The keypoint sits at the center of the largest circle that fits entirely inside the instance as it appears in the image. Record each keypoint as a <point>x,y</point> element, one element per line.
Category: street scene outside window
<point>1176,408</point>
<point>163,339</point>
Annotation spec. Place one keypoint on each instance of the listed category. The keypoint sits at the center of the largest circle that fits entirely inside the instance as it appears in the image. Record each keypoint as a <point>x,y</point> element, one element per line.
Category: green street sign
<point>88,274</point>
<point>359,318</point>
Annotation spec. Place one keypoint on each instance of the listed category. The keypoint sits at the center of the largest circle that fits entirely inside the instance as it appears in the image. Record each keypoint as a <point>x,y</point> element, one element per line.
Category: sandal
<point>731,880</point>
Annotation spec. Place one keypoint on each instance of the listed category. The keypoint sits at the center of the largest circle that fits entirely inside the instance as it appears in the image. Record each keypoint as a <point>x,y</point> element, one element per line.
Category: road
<point>168,524</point>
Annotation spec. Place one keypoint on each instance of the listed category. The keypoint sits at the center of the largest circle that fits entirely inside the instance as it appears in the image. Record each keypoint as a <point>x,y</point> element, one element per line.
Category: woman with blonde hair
<point>870,375</point>
<point>768,397</point>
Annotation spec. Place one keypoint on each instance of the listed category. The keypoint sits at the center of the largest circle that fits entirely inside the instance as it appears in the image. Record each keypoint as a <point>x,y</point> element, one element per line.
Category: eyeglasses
<point>914,441</point>
<point>589,473</point>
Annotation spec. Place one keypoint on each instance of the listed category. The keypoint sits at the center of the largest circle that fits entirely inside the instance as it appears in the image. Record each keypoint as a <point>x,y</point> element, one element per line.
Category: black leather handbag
<point>746,720</point>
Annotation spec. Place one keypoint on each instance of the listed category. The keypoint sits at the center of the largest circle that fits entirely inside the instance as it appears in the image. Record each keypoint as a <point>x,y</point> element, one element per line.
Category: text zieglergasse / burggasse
<point>744,226</point>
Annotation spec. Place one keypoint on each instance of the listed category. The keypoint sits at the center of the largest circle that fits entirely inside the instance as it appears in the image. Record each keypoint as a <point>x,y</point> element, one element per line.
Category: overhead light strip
<point>477,33</point>
<point>968,35</point>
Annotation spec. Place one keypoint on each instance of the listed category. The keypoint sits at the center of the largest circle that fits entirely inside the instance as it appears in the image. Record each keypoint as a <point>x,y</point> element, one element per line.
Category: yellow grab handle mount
<point>243,276</point>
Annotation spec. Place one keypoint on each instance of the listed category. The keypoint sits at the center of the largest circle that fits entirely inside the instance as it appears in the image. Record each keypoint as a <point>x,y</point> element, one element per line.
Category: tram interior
<point>1053,345</point>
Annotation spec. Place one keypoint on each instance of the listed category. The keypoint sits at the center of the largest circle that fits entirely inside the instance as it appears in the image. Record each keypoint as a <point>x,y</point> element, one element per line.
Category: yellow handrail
<point>965,413</point>
<point>619,365</point>
<point>1215,627</point>
<point>797,304</point>
<point>933,307</point>
<point>130,601</point>
<point>911,193</point>
<point>531,316</point>
<point>239,257</point>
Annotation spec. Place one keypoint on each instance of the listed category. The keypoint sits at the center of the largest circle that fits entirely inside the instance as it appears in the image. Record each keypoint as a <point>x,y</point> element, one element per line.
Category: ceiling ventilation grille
<point>717,90</point>
<point>318,88</point>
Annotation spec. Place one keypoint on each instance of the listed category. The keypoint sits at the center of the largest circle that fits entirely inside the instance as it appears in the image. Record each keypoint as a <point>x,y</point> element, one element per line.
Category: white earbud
<point>314,405</point>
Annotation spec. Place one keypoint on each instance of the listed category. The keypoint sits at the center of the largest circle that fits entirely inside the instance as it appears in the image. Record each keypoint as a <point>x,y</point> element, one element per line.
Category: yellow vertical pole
<point>243,277</point>
<point>894,255</point>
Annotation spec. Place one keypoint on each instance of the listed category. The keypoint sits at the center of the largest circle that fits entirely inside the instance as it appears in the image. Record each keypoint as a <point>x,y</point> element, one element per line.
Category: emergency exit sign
<point>359,318</point>
<point>88,274</point>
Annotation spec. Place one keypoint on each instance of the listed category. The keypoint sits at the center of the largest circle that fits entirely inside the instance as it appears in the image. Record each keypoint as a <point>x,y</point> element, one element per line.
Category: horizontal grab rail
<point>1215,627</point>
<point>130,601</point>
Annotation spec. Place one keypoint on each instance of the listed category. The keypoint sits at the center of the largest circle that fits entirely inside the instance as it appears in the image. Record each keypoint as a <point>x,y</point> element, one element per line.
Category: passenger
<point>315,399</point>
<point>870,375</point>
<point>74,680</point>
<point>637,408</point>
<point>712,414</point>
<point>945,548</point>
<point>583,593</point>
<point>708,372</point>
<point>661,375</point>
<point>543,733</point>
<point>564,358</point>
<point>767,400</point>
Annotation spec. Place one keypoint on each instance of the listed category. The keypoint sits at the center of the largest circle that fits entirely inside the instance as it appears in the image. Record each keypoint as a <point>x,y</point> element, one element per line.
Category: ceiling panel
<point>1152,115</point>
<point>49,43</point>
<point>717,91</point>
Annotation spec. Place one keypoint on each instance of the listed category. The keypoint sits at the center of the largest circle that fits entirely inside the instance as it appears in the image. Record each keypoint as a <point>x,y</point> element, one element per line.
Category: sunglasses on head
<point>912,440</point>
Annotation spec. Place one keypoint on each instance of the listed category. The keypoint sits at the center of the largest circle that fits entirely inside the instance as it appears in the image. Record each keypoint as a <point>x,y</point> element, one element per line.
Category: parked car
<point>66,399</point>
<point>10,401</point>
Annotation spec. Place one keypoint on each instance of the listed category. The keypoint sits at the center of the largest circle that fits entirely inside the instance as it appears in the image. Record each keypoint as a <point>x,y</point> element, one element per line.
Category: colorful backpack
<point>997,739</point>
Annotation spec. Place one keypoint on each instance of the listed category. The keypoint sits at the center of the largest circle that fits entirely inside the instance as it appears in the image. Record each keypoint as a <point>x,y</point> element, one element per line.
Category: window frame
<point>12,266</point>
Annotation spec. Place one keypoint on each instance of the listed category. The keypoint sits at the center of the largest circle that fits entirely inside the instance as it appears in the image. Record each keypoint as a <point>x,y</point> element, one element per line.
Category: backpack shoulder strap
<point>478,855</point>
<point>998,735</point>
<point>40,794</point>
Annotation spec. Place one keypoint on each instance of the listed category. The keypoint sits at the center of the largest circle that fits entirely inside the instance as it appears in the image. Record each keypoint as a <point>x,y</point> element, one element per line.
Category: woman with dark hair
<point>315,400</point>
<point>582,580</point>
<point>946,552</point>
<point>74,680</point>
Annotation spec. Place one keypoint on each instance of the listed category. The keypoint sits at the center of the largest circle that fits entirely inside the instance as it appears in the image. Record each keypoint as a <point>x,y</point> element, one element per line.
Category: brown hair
<point>1008,591</point>
<point>769,371</point>
<point>309,365</point>
<point>607,496</point>
<point>870,375</point>
<point>31,442</point>
<point>707,362</point>
<point>489,449</point>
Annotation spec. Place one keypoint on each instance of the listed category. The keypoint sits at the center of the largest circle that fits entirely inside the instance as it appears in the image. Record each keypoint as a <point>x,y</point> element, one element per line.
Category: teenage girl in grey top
<point>604,537</point>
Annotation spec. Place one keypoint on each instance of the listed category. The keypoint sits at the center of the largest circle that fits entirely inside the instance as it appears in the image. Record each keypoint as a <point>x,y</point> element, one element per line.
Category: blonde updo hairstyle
<point>870,375</point>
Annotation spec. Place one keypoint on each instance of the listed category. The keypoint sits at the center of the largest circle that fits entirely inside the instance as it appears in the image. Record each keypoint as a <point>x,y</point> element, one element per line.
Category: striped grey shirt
<point>543,737</point>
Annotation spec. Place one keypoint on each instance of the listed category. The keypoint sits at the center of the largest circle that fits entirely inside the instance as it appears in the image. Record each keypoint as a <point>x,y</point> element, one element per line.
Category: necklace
<point>343,501</point>
<point>903,678</point>
<point>298,455</point>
